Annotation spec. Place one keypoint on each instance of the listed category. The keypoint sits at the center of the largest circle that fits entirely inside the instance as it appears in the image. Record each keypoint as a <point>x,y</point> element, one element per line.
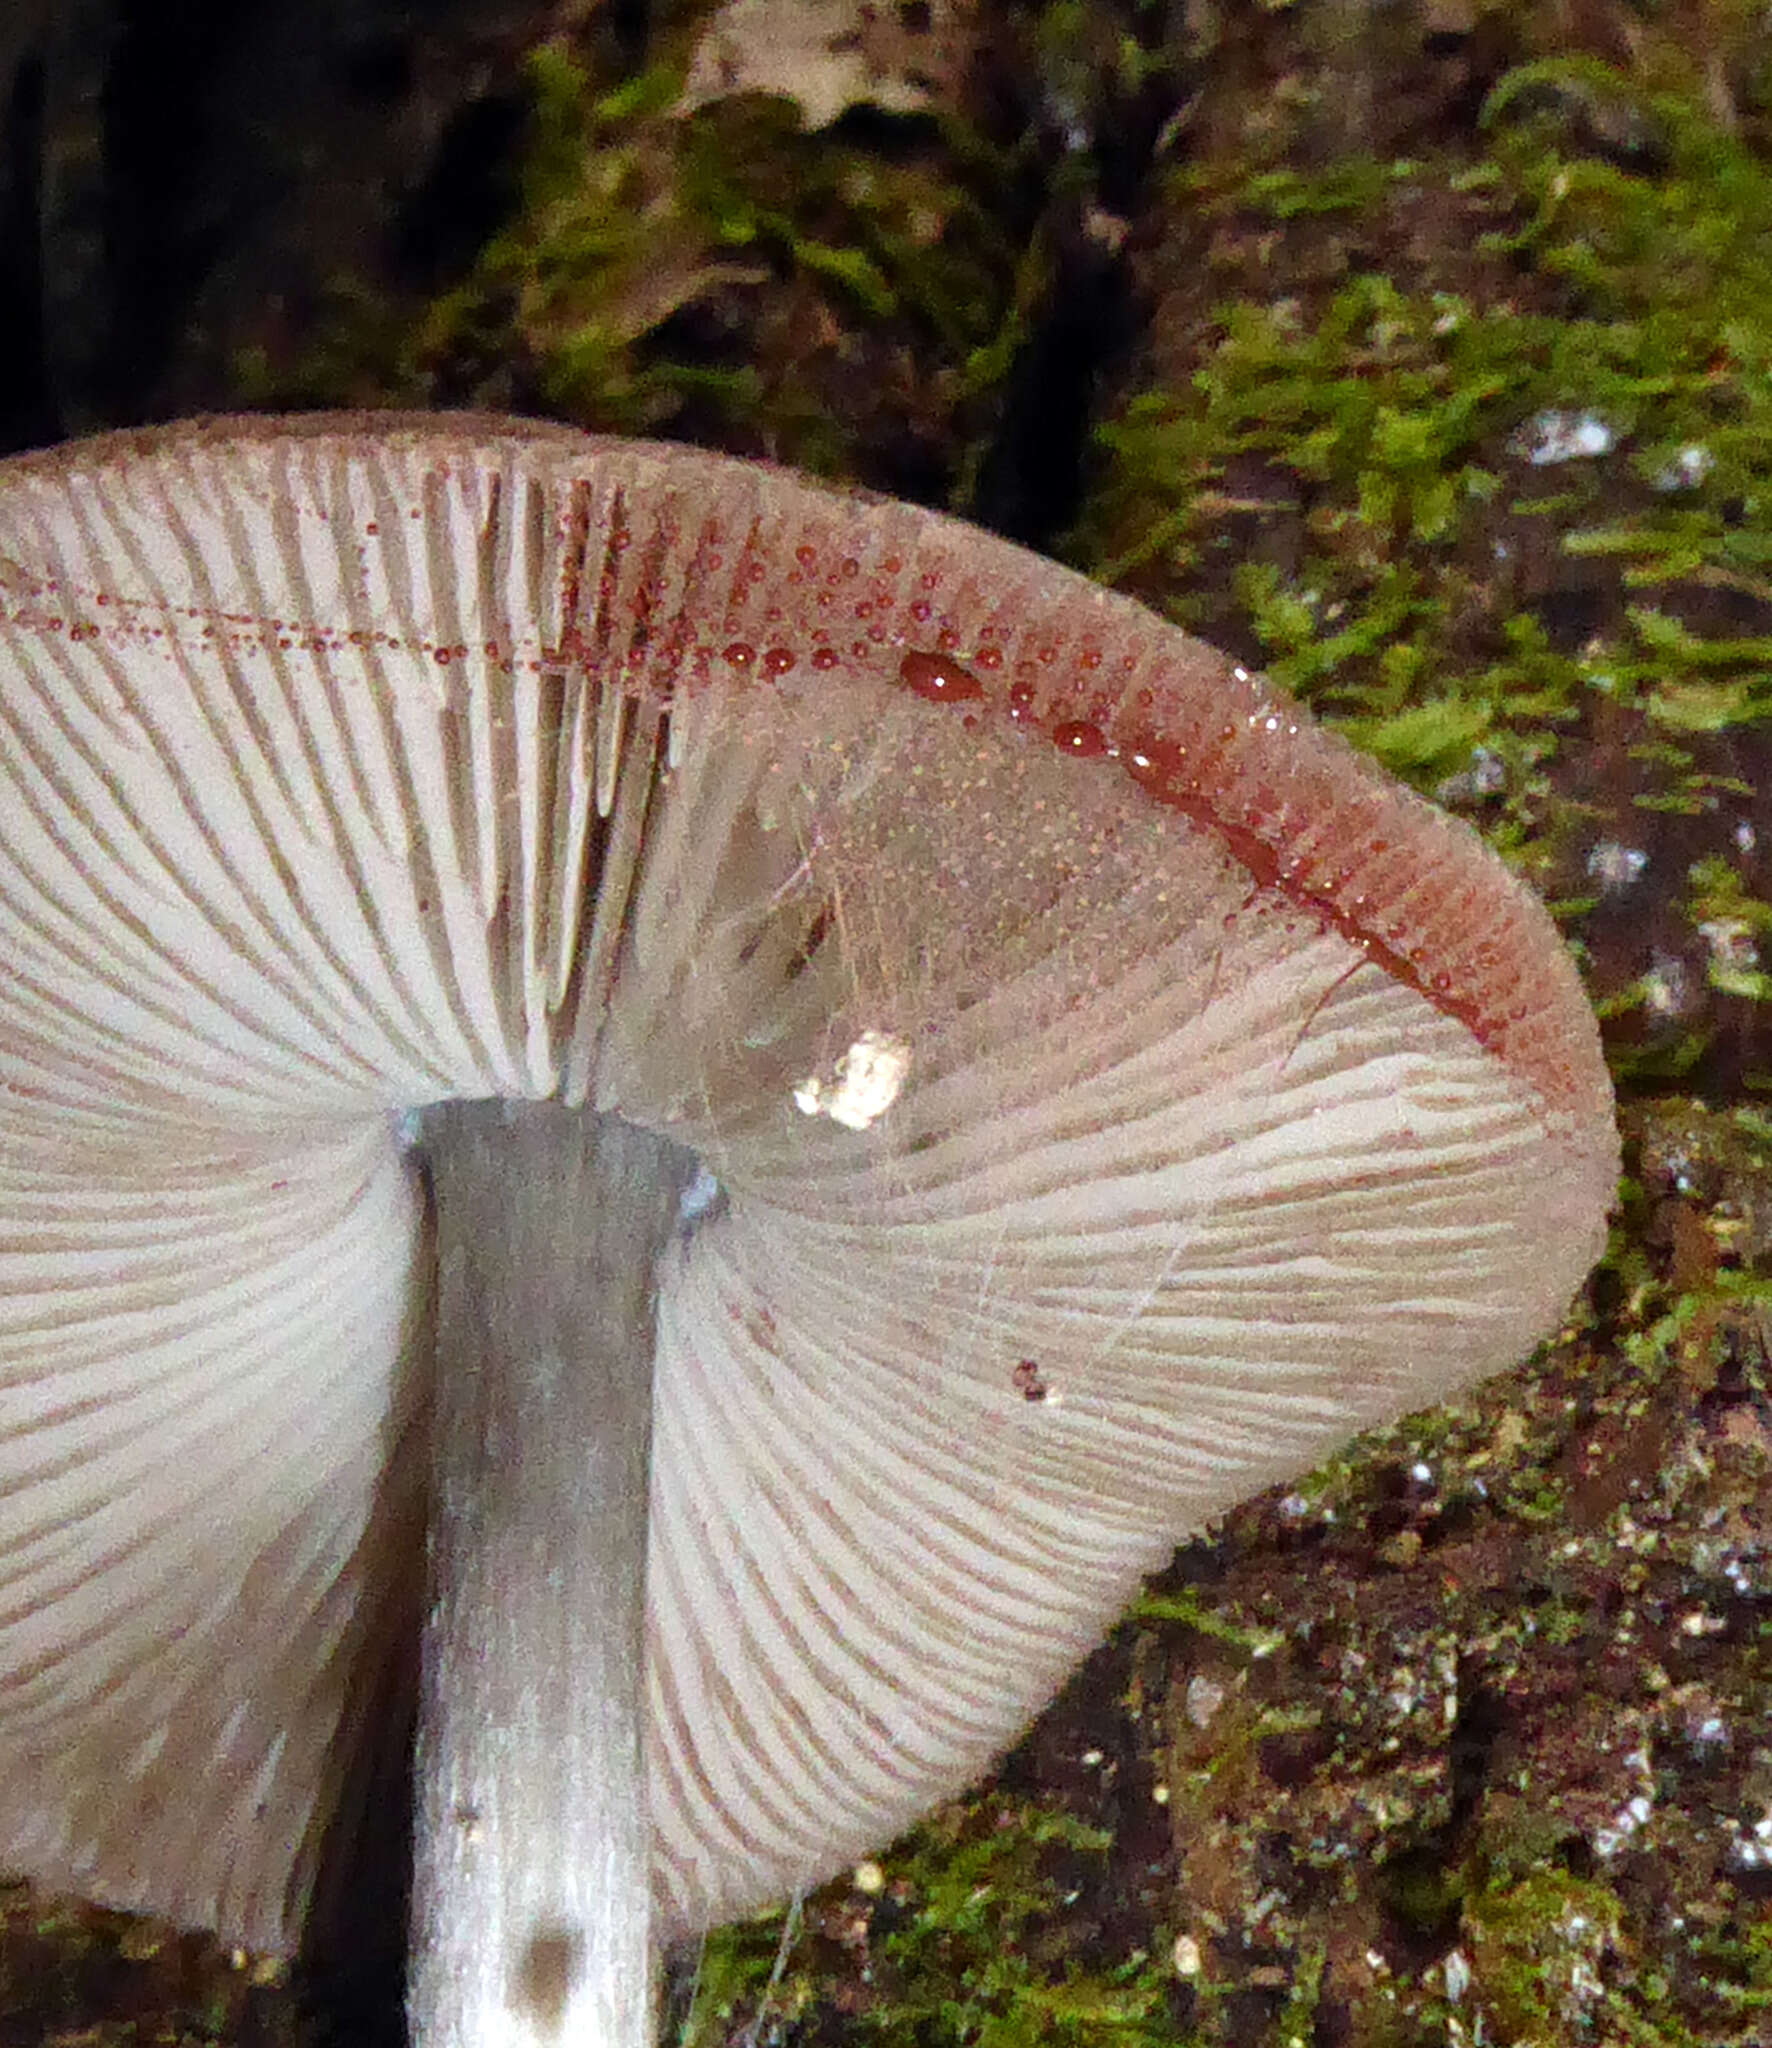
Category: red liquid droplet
<point>805,555</point>
<point>989,657</point>
<point>739,653</point>
<point>935,677</point>
<point>1078,736</point>
<point>1021,699</point>
<point>825,658</point>
<point>777,660</point>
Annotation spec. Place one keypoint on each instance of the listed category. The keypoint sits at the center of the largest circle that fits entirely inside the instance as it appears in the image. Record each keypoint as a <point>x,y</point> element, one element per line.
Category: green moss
<point>654,253</point>
<point>1546,1948</point>
<point>1739,1971</point>
<point>967,1941</point>
<point>1188,1607</point>
<point>848,300</point>
<point>1384,420</point>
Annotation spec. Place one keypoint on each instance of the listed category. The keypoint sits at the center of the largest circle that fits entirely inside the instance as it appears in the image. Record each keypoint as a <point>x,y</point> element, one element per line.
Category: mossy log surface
<point>1422,355</point>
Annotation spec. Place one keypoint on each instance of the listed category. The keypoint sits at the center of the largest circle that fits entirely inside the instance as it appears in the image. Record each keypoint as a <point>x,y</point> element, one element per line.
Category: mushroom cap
<point>1118,1093</point>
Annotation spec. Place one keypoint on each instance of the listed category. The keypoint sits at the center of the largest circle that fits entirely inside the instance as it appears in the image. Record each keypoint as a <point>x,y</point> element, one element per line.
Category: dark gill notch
<point>808,949</point>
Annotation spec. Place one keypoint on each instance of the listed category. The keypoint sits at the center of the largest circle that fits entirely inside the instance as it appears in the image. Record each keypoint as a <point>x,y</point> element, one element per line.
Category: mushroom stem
<point>531,1881</point>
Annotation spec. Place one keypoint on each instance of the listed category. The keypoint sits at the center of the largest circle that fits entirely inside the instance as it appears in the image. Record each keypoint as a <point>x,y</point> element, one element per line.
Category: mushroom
<point>803,1090</point>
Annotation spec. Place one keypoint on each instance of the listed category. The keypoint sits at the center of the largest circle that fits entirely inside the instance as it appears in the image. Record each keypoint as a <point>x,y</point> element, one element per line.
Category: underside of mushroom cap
<point>1117,1093</point>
